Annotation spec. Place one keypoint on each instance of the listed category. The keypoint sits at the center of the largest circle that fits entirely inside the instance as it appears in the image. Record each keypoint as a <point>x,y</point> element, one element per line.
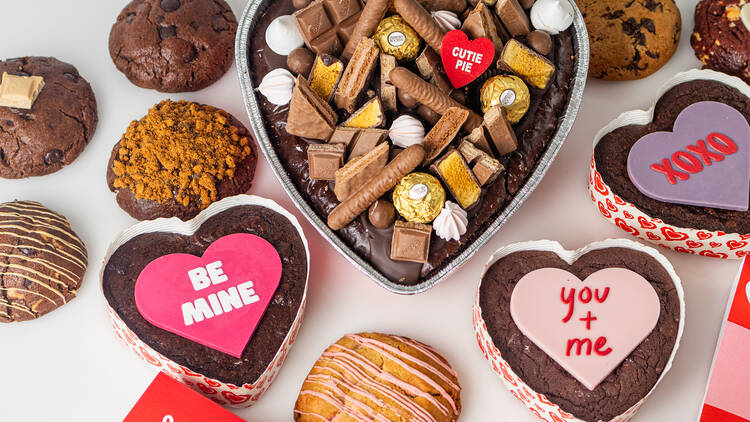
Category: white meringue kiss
<point>446,20</point>
<point>277,86</point>
<point>283,36</point>
<point>451,223</point>
<point>406,131</point>
<point>553,16</point>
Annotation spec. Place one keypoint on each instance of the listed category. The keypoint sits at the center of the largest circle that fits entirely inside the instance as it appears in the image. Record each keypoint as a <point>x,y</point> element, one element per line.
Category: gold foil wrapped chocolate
<point>395,37</point>
<point>509,91</point>
<point>419,197</point>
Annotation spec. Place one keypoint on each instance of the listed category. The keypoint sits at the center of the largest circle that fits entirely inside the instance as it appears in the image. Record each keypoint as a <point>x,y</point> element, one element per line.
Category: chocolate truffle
<point>539,41</point>
<point>300,61</point>
<point>382,214</point>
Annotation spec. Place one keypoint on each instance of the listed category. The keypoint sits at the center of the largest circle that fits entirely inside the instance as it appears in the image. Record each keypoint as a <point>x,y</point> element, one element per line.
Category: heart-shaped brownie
<point>695,135</point>
<point>567,330</point>
<point>343,132</point>
<point>203,270</point>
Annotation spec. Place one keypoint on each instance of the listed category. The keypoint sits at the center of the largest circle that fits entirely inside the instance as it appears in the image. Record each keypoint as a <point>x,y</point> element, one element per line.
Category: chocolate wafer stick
<point>372,14</point>
<point>406,161</point>
<point>422,22</point>
<point>430,95</point>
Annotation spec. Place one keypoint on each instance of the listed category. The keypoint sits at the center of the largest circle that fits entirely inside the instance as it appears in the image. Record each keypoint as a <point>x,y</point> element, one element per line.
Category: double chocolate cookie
<point>42,261</point>
<point>173,45</point>
<point>630,39</point>
<point>57,127</point>
<point>721,38</point>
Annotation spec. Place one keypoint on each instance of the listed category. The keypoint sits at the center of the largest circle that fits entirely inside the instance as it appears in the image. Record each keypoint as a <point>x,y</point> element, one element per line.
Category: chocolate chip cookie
<point>721,39</point>
<point>42,261</point>
<point>56,129</point>
<point>630,39</point>
<point>173,45</point>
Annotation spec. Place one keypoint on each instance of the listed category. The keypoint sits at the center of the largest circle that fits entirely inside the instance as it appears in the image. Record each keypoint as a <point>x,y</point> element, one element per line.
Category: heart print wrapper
<point>536,401</point>
<point>226,394</point>
<point>630,218</point>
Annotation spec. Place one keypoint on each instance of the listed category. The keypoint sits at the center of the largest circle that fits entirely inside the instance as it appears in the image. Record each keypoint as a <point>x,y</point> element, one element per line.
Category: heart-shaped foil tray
<point>250,17</point>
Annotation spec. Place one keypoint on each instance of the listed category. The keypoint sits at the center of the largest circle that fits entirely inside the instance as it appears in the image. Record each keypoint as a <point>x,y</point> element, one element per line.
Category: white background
<point>70,366</point>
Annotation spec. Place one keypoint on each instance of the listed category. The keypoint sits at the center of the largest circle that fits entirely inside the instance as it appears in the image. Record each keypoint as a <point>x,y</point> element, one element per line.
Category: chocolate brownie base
<point>127,262</point>
<point>629,382</point>
<point>611,158</point>
<point>534,133</point>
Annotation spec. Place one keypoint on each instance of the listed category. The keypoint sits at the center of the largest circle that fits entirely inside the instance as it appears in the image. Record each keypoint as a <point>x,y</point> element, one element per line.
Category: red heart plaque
<point>465,60</point>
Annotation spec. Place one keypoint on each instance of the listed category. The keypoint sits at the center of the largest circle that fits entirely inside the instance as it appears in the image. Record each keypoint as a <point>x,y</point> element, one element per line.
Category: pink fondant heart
<point>465,60</point>
<point>216,300</point>
<point>625,307</point>
<point>705,161</point>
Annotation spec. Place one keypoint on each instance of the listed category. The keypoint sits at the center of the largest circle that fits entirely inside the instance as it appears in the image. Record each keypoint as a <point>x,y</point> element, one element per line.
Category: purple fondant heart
<point>705,161</point>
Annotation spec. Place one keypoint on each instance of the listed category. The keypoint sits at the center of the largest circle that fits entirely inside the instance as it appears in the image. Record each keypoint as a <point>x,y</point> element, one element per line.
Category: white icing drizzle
<point>47,233</point>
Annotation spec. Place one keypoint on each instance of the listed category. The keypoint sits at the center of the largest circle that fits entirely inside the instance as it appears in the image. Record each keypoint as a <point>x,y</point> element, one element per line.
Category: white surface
<point>70,366</point>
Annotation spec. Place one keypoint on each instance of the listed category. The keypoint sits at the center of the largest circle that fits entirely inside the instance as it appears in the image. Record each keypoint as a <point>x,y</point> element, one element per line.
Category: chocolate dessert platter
<point>408,131</point>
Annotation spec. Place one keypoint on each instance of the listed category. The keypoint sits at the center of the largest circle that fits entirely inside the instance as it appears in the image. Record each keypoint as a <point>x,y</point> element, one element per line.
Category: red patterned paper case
<point>535,401</point>
<point>229,395</point>
<point>628,217</point>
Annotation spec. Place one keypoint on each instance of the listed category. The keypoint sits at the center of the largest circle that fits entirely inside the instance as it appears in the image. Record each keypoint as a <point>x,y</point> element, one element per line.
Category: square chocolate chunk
<point>324,160</point>
<point>327,25</point>
<point>411,242</point>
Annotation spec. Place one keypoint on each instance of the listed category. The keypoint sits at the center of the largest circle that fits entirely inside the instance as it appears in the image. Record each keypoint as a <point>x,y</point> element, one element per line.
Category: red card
<point>465,60</point>
<point>728,393</point>
<point>167,400</point>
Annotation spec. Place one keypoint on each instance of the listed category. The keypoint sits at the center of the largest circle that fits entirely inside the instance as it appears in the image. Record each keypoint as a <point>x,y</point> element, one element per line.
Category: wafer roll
<point>455,6</point>
<point>430,95</point>
<point>406,161</point>
<point>422,22</point>
<point>372,14</point>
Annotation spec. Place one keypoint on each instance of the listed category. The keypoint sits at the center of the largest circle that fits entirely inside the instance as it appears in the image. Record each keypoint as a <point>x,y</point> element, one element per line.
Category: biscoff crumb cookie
<point>180,158</point>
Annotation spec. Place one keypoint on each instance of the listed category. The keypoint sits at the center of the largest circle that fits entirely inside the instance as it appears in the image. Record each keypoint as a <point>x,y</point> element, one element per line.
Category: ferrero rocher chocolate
<point>395,37</point>
<point>510,92</point>
<point>419,197</point>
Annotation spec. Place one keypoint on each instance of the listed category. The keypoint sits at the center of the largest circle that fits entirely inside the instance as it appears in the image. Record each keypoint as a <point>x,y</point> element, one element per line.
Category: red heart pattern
<point>690,241</point>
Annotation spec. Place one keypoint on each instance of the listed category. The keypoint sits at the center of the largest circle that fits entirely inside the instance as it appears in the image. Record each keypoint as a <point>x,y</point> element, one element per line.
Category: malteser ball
<point>300,61</point>
<point>539,41</point>
<point>428,114</point>
<point>382,214</point>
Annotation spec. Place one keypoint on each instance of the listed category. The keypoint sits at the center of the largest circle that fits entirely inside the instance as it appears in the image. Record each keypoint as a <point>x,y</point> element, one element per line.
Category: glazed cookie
<point>178,159</point>
<point>54,131</point>
<point>373,376</point>
<point>42,261</point>
<point>721,38</point>
<point>173,45</point>
<point>630,39</point>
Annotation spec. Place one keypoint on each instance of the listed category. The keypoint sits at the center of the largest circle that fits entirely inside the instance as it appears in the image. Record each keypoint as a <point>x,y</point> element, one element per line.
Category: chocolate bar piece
<point>324,160</point>
<point>455,173</point>
<point>388,92</point>
<point>430,66</point>
<point>357,172</point>
<point>20,91</point>
<point>480,23</point>
<point>478,137</point>
<point>309,115</point>
<point>500,130</point>
<point>327,25</point>
<point>325,76</point>
<point>365,141</point>
<point>411,242</point>
<point>357,75</point>
<point>470,152</point>
<point>344,135</point>
<point>443,133</point>
<point>514,18</point>
<point>487,169</point>
<point>531,66</point>
<point>370,115</point>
